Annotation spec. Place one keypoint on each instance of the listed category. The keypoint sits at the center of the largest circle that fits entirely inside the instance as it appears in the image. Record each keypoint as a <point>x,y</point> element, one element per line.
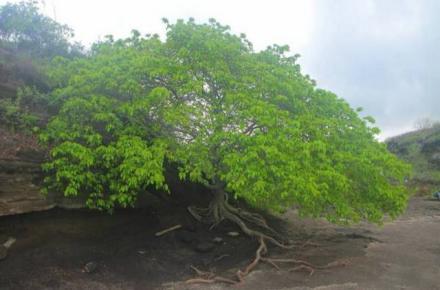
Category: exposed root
<point>301,265</point>
<point>170,229</point>
<point>208,278</point>
<point>308,243</point>
<point>219,209</point>
<point>262,250</point>
<point>252,218</point>
<point>293,261</point>
<point>304,265</point>
<point>221,257</point>
<point>209,281</point>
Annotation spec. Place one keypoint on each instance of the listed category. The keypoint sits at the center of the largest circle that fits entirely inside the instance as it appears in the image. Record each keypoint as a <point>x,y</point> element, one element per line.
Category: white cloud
<point>264,22</point>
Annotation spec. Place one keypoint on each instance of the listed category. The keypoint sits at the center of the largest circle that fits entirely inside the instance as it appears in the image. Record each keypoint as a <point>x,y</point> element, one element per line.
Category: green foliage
<point>421,148</point>
<point>24,29</point>
<point>28,41</point>
<point>21,113</point>
<point>226,116</point>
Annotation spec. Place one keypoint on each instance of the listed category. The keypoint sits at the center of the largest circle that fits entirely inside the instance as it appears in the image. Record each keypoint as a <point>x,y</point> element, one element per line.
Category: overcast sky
<point>381,55</point>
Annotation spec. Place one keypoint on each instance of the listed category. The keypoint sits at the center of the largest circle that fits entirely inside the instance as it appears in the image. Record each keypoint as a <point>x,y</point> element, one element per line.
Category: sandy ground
<point>52,248</point>
<point>404,254</point>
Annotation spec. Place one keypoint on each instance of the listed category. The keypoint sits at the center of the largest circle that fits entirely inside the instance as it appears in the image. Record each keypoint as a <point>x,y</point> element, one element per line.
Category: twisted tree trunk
<point>251,224</point>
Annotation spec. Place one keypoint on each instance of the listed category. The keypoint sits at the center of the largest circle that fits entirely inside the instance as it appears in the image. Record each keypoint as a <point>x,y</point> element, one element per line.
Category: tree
<point>28,41</point>
<point>245,124</point>
<point>425,123</point>
<point>25,30</point>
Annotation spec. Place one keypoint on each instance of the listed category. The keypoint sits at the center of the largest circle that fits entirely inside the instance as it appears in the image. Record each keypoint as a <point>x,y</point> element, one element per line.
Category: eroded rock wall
<point>20,185</point>
<point>19,188</point>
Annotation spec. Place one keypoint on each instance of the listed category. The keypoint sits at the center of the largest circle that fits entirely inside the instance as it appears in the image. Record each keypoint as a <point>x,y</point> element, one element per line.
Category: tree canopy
<point>247,124</point>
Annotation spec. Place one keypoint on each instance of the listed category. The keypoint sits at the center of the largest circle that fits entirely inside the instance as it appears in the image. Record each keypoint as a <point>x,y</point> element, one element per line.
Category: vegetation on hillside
<point>24,30</point>
<point>28,43</point>
<point>421,148</point>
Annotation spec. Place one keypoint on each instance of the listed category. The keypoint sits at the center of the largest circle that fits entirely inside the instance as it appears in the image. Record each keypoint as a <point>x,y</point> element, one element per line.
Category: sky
<point>382,55</point>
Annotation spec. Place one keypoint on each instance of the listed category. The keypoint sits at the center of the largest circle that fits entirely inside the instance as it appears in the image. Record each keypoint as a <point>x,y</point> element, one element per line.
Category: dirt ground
<point>52,248</point>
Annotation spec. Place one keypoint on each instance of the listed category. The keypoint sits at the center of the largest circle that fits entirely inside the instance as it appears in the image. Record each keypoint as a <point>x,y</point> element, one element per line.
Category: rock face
<point>21,178</point>
<point>20,189</point>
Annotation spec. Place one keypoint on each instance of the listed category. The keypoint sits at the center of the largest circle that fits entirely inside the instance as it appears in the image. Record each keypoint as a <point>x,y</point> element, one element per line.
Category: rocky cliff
<point>21,177</point>
<point>19,188</point>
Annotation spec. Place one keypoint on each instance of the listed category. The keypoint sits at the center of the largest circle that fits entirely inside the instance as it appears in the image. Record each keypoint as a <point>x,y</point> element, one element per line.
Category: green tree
<point>24,29</point>
<point>245,124</point>
<point>28,41</point>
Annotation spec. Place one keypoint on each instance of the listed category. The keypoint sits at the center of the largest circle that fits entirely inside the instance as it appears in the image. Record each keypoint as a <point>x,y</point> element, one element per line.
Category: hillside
<point>421,148</point>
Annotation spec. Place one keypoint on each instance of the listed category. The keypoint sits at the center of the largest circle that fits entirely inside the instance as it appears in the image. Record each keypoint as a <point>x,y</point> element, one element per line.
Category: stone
<point>233,234</point>
<point>20,191</point>
<point>142,251</point>
<point>217,240</point>
<point>90,267</point>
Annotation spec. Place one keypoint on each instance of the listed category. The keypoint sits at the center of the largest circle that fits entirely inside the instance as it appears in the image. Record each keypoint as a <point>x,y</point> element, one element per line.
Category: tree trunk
<point>219,209</point>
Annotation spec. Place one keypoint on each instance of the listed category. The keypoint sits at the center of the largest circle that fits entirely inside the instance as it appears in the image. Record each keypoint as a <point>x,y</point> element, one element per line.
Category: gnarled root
<point>304,265</point>
<point>262,250</point>
<point>208,278</point>
<point>219,209</point>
